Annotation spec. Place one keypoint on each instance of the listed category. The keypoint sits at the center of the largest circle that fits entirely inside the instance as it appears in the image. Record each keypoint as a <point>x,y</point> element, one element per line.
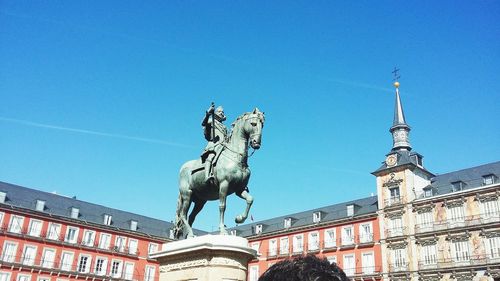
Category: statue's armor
<point>220,136</point>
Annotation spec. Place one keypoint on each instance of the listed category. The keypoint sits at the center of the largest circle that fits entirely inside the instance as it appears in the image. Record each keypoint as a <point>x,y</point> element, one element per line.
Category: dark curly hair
<point>304,268</point>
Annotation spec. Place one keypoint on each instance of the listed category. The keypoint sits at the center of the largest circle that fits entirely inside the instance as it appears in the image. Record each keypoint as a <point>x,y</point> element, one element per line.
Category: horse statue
<point>231,175</point>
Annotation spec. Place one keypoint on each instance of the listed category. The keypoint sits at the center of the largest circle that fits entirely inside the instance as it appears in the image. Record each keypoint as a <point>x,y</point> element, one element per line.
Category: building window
<point>3,196</point>
<point>23,277</point>
<point>9,251</point>
<point>133,225</point>
<point>1,221</point>
<point>66,261</point>
<point>425,220</point>
<point>101,265</point>
<point>29,254</point>
<point>460,251</point>
<point>254,273</point>
<point>273,247</point>
<point>120,243</point>
<point>42,278</point>
<point>330,238</point>
<point>316,217</point>
<point>349,265</point>
<point>88,238</point>
<point>368,263</point>
<point>255,246</point>
<point>40,205</point>
<point>490,209</point>
<point>394,195</point>
<point>71,234</point>
<point>428,192</point>
<point>258,229</point>
<point>84,264</point>
<point>107,219</point>
<point>457,186</point>
<point>313,241</point>
<point>350,210</point>
<point>456,214</point>
<point>105,241</point>
<point>284,246</point>
<point>16,224</point>
<point>493,247</point>
<point>347,235</point>
<point>298,243</point>
<point>48,257</point>
<point>365,233</point>
<point>488,179</point>
<point>75,213</point>
<point>35,227</point>
<point>332,259</point>
<point>54,231</point>
<point>149,274</point>
<point>399,259</point>
<point>132,246</point>
<point>428,254</point>
<point>4,276</point>
<point>116,269</point>
<point>287,223</point>
<point>129,271</point>
<point>396,227</point>
<point>152,248</point>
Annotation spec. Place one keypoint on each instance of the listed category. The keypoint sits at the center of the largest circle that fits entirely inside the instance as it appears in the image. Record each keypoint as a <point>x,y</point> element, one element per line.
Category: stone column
<point>205,258</point>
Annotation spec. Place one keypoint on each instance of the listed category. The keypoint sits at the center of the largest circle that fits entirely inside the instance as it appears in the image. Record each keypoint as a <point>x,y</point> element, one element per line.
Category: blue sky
<point>104,99</point>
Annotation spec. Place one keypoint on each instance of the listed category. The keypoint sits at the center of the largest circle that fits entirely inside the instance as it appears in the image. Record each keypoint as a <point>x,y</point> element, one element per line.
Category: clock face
<point>391,160</point>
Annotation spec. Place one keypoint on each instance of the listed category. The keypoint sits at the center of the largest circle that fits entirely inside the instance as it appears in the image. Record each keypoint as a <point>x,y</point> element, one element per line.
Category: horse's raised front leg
<point>247,197</point>
<point>223,187</point>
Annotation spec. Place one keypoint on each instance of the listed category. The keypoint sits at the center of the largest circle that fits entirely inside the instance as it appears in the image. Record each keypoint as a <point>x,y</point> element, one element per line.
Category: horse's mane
<point>242,117</point>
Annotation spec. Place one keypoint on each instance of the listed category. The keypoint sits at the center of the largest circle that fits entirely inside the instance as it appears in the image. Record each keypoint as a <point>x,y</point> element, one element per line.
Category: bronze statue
<point>229,170</point>
<point>215,133</point>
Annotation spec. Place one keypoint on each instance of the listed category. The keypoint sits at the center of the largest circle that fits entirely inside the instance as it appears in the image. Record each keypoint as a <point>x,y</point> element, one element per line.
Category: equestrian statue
<point>221,170</point>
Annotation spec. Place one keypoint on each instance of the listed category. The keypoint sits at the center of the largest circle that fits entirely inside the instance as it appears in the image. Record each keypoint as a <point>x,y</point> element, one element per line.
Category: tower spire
<point>399,130</point>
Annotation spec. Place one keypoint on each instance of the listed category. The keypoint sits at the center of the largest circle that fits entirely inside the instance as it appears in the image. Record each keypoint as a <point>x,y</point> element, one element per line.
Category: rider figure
<point>215,133</point>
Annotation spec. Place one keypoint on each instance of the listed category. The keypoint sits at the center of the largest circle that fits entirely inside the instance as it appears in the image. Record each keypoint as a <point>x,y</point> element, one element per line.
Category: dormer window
<point>133,225</point>
<point>107,219</point>
<point>75,212</point>
<point>457,186</point>
<point>488,179</point>
<point>233,232</point>
<point>316,217</point>
<point>3,196</point>
<point>287,223</point>
<point>417,159</point>
<point>350,210</point>
<point>428,192</point>
<point>40,205</point>
<point>258,229</point>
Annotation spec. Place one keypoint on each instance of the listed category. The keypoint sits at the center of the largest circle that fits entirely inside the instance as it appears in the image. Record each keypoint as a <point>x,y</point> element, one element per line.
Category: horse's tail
<point>179,224</point>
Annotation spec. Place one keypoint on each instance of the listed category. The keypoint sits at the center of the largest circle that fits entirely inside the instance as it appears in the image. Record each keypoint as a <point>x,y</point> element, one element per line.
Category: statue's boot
<point>208,171</point>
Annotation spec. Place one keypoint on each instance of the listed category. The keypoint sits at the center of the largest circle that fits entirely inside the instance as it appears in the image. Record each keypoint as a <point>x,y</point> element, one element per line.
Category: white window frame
<point>29,254</point>
<point>461,251</point>
<point>428,254</point>
<point>107,219</point>
<point>366,235</point>
<point>54,231</point>
<point>133,244</point>
<point>284,245</point>
<point>104,243</point>
<point>43,278</point>
<point>396,226</point>
<point>298,243</point>
<point>87,240</point>
<point>399,259</point>
<point>35,232</point>
<point>368,264</point>
<point>273,247</point>
<point>490,209</point>
<point>12,254</point>
<point>287,223</point>
<point>67,265</point>
<point>258,228</point>
<point>349,271</point>
<point>152,248</point>
<point>86,265</point>
<point>74,212</point>
<point>255,246</point>
<point>149,273</point>
<point>425,220</point>
<point>5,276</point>
<point>253,274</point>
<point>330,241</point>
<point>103,267</point>
<point>23,277</point>
<point>133,225</point>
<point>128,272</point>
<point>493,248</point>
<point>456,214</point>
<point>119,269</point>
<point>316,217</point>
<point>120,242</point>
<point>2,215</point>
<point>488,179</point>
<point>48,262</point>
<point>346,238</point>
<point>40,205</point>
<point>74,239</point>
<point>16,224</point>
<point>350,210</point>
<point>313,241</point>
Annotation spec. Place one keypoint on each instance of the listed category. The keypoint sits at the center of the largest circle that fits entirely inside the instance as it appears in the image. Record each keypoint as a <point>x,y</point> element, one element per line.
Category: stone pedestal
<point>205,258</point>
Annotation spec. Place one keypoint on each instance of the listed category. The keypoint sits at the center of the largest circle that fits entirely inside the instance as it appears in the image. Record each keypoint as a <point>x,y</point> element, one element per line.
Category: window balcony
<point>395,232</point>
<point>450,263</point>
<point>392,201</point>
<point>469,221</point>
<point>365,239</point>
<point>313,247</point>
<point>398,267</point>
<point>367,271</point>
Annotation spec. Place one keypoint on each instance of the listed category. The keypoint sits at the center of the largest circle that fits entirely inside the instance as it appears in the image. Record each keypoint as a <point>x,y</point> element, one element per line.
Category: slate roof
<point>59,205</point>
<point>334,212</point>
<point>471,177</point>
<point>404,158</point>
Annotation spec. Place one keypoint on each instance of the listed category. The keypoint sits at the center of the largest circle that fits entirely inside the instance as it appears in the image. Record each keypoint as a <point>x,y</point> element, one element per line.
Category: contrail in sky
<point>89,132</point>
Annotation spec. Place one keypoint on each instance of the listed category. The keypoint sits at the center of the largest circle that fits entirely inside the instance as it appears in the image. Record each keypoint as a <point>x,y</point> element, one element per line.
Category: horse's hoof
<point>239,219</point>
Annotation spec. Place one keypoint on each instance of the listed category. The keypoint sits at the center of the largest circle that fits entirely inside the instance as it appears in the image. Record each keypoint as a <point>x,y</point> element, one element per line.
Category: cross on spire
<point>396,74</point>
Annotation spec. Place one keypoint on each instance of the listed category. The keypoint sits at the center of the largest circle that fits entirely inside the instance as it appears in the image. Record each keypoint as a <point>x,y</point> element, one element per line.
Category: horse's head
<point>253,127</point>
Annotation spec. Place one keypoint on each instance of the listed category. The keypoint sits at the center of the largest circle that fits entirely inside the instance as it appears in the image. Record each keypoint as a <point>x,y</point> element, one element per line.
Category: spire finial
<point>396,77</point>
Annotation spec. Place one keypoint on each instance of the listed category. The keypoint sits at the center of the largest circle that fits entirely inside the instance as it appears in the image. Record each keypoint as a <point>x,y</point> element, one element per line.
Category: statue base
<point>205,258</point>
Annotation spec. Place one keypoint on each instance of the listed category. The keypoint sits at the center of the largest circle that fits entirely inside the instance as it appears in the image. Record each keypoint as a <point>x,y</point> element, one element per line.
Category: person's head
<point>304,268</point>
<point>219,113</point>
